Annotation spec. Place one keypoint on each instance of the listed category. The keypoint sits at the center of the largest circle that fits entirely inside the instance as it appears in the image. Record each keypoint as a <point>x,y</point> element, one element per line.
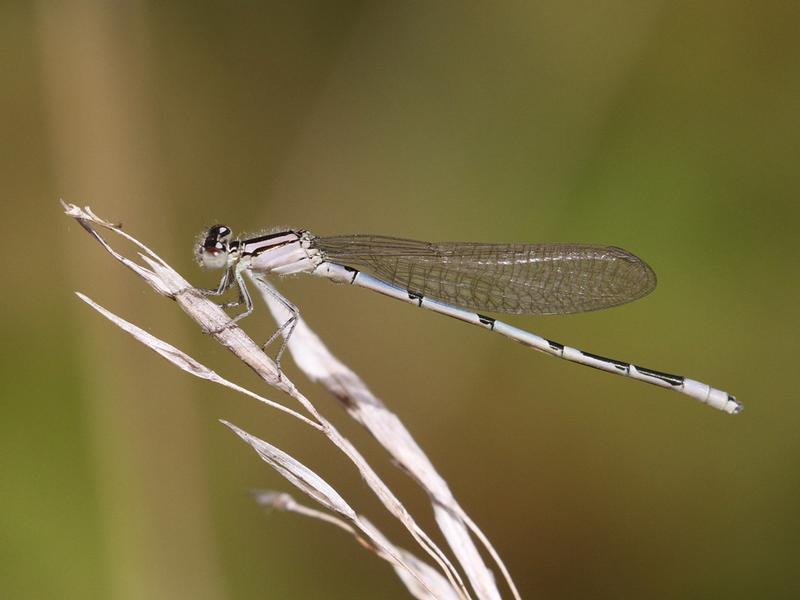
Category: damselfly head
<point>214,250</point>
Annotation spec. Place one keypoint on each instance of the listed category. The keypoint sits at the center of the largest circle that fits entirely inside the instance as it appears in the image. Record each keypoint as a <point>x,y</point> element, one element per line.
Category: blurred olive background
<point>669,128</point>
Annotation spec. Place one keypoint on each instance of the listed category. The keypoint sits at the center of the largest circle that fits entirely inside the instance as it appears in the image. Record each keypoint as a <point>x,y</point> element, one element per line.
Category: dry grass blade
<point>186,362</point>
<point>435,583</point>
<point>319,364</point>
<point>297,473</point>
<point>216,322</point>
<point>425,580</point>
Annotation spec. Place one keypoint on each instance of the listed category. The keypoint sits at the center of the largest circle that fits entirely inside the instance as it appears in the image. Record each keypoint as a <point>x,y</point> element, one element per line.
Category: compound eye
<point>220,232</point>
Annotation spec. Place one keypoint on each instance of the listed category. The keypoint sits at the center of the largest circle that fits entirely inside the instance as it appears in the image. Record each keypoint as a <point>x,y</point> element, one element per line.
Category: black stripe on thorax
<point>257,245</point>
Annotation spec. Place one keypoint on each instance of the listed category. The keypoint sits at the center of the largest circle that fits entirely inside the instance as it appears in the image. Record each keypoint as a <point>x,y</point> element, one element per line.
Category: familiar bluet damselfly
<point>461,280</point>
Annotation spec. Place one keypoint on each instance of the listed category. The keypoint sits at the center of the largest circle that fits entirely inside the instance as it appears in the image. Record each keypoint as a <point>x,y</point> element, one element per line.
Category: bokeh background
<point>669,128</point>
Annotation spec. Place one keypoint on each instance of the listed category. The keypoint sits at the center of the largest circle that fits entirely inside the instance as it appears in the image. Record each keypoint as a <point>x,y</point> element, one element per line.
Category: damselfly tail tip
<point>713,397</point>
<point>735,406</point>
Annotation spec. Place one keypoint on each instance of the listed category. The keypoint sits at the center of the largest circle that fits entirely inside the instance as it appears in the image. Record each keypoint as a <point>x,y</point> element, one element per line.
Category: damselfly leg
<point>287,327</point>
<point>232,278</point>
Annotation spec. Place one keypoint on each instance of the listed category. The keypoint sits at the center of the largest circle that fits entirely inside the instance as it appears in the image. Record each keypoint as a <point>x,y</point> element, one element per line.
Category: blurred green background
<point>669,128</point>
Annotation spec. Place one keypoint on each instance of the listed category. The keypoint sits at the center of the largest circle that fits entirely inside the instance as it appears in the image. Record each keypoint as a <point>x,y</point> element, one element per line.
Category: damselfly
<point>459,279</point>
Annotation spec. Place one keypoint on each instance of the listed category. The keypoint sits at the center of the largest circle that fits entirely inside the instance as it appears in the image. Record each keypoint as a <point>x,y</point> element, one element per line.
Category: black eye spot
<point>213,246</point>
<point>219,231</point>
